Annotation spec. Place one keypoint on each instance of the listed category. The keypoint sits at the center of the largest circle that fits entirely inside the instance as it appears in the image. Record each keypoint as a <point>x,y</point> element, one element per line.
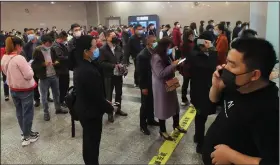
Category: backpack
<point>70,100</point>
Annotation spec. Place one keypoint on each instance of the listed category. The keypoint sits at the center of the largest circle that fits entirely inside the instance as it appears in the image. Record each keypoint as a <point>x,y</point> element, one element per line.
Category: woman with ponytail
<point>20,80</point>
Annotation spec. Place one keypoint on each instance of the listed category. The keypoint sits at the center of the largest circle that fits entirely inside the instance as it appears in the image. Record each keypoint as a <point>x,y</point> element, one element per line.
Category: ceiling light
<point>52,3</point>
<point>168,2</point>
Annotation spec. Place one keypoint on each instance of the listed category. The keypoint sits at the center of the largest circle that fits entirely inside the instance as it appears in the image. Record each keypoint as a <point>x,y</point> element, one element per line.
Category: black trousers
<point>6,87</point>
<point>36,90</point>
<point>177,54</point>
<point>92,130</point>
<point>136,75</point>
<point>185,86</point>
<point>114,82</point>
<point>64,80</point>
<point>162,125</point>
<point>200,121</point>
<point>147,108</point>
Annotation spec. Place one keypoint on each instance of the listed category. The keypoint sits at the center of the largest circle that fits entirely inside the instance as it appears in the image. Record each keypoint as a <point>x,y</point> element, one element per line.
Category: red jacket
<point>2,52</point>
<point>222,49</point>
<point>176,35</point>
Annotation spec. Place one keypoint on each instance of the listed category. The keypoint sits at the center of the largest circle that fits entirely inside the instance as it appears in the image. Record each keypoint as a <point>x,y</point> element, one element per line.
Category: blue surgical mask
<point>216,33</point>
<point>95,54</point>
<point>154,45</point>
<point>169,51</point>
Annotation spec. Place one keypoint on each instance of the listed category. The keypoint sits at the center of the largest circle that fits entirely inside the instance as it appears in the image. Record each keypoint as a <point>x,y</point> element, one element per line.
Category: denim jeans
<point>45,84</point>
<point>24,110</point>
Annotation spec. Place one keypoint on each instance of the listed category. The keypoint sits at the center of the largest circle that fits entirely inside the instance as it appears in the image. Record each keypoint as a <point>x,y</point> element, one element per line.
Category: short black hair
<point>84,43</point>
<point>244,24</point>
<point>131,26</point>
<point>137,25</point>
<point>47,38</point>
<point>162,26</point>
<point>248,33</point>
<point>62,34</point>
<point>54,27</point>
<point>238,22</point>
<point>74,26</point>
<point>25,29</point>
<point>257,54</point>
<point>201,22</point>
<point>175,23</point>
<point>206,35</point>
<point>228,23</point>
<point>168,26</point>
<point>221,27</point>
<point>95,28</point>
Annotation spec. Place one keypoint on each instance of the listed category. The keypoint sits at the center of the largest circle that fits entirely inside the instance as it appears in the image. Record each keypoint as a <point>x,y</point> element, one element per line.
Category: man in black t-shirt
<point>247,130</point>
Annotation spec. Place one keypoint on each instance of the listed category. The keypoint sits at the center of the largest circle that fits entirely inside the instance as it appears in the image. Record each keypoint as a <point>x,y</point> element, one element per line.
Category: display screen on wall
<point>144,24</point>
<point>133,23</point>
<point>153,22</point>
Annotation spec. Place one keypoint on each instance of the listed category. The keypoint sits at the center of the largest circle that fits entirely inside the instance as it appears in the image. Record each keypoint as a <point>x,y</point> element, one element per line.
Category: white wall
<point>258,16</point>
<point>42,14</point>
<point>63,14</point>
<point>272,26</point>
<point>177,11</point>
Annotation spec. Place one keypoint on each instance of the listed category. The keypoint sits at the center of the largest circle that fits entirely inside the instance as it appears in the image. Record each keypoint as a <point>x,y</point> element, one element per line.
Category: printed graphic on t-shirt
<point>227,106</point>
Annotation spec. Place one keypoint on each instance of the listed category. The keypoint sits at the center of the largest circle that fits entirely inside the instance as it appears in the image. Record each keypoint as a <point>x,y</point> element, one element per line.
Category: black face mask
<point>115,41</point>
<point>229,79</point>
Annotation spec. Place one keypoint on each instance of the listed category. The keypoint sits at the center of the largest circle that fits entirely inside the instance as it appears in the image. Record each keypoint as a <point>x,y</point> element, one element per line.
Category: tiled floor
<point>122,142</point>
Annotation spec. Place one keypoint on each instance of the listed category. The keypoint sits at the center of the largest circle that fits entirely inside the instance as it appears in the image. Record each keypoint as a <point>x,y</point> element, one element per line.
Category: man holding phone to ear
<point>247,130</point>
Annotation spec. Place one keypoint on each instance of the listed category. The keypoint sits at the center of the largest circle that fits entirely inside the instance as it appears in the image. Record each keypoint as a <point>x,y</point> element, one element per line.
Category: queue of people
<point>233,74</point>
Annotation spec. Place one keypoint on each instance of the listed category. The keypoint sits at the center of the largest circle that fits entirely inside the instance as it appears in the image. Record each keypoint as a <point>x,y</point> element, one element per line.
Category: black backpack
<point>70,99</point>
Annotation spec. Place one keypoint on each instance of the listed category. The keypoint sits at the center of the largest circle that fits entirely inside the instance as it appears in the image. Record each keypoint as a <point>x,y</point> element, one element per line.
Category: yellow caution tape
<point>168,147</point>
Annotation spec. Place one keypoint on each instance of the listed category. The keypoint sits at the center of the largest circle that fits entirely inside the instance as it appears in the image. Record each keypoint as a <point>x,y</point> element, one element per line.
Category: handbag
<point>172,84</point>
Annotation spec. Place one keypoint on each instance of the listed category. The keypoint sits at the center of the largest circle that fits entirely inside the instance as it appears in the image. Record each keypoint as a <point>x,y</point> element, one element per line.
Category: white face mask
<point>77,34</point>
<point>178,26</point>
<point>239,25</point>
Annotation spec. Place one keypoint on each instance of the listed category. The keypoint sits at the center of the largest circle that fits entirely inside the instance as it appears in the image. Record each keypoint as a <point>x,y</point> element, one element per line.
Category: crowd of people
<point>223,67</point>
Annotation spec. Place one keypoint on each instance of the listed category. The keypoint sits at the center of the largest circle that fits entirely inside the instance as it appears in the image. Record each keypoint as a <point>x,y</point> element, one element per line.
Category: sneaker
<point>47,117</point>
<point>25,142</point>
<point>7,98</point>
<point>33,138</point>
<point>32,133</point>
